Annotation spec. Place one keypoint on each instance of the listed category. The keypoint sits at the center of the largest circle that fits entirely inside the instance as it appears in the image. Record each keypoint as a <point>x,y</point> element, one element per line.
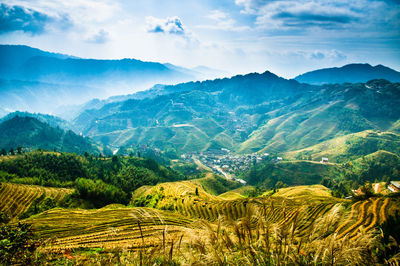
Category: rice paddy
<point>200,222</point>
<point>130,228</point>
<point>15,199</point>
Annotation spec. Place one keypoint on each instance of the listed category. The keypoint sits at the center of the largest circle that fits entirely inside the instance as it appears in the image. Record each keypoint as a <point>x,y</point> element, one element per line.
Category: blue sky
<point>239,36</point>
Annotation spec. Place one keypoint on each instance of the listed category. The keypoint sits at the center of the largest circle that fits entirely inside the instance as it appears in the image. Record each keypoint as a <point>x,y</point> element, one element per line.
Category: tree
<point>3,152</point>
<point>280,184</point>
<point>100,193</point>
<point>367,189</point>
<point>17,244</point>
<point>130,178</point>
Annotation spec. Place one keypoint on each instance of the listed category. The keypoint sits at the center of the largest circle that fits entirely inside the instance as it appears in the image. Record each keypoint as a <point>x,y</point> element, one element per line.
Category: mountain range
<point>38,81</point>
<point>351,73</point>
<point>246,113</point>
<point>257,112</point>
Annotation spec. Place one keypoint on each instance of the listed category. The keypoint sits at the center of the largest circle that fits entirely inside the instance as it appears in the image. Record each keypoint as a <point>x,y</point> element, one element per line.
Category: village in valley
<point>224,162</point>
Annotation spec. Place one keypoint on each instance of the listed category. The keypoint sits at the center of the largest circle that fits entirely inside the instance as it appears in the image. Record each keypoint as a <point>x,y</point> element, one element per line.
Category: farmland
<point>107,228</point>
<point>204,221</point>
<point>129,227</point>
<point>15,199</point>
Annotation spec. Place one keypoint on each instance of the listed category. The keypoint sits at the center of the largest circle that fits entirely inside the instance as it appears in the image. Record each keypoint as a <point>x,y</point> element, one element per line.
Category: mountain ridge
<point>245,113</point>
<point>24,69</point>
<point>351,73</point>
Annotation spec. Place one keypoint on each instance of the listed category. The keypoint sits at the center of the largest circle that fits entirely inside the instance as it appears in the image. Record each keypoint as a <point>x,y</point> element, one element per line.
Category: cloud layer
<point>18,18</point>
<point>284,15</point>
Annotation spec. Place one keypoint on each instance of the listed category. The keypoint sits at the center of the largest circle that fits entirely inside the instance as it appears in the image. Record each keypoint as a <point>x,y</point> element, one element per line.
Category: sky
<point>286,37</point>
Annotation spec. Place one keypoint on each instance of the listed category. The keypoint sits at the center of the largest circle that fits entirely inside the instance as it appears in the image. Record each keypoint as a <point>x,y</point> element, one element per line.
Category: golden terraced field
<point>15,199</point>
<point>131,228</point>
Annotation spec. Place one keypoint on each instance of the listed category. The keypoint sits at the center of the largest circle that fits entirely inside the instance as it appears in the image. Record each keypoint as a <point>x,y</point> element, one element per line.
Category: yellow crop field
<point>365,215</point>
<point>132,228</point>
<point>108,228</point>
<point>15,199</point>
<point>197,223</point>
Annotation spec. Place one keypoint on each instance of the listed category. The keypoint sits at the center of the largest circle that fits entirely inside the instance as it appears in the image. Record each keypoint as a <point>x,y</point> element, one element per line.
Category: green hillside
<point>336,111</point>
<point>98,180</point>
<point>29,132</point>
<point>377,166</point>
<point>349,147</point>
<point>290,173</point>
<point>250,113</point>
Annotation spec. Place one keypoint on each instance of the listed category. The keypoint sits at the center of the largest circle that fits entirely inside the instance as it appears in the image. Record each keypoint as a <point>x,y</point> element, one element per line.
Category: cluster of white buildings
<point>222,161</point>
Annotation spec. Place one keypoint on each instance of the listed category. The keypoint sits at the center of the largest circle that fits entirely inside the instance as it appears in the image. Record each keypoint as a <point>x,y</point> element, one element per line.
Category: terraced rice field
<point>302,205</point>
<point>365,215</point>
<point>133,228</point>
<point>15,199</point>
<point>128,228</point>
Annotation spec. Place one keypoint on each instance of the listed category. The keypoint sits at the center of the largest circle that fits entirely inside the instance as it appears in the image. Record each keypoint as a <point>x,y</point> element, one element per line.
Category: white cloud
<point>222,21</point>
<point>319,55</point>
<point>170,25</point>
<point>100,37</point>
<point>217,15</point>
<point>80,11</point>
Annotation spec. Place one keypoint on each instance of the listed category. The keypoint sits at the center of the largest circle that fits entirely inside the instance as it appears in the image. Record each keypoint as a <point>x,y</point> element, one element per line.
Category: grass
<point>106,228</point>
<point>365,215</point>
<point>292,173</point>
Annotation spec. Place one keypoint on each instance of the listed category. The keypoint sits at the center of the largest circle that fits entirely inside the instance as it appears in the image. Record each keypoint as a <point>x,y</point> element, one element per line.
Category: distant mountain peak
<point>351,73</point>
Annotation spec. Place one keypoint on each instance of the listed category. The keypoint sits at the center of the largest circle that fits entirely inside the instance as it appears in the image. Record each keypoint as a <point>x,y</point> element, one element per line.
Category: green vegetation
<point>289,173</point>
<point>215,185</point>
<point>187,169</point>
<point>29,132</point>
<point>251,113</point>
<point>99,180</point>
<point>17,244</point>
<point>340,178</point>
<point>349,147</point>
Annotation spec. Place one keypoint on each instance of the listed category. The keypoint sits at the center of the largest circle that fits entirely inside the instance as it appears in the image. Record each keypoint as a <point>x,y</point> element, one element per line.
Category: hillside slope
<point>15,199</point>
<point>348,147</point>
<point>29,132</point>
<point>250,113</point>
